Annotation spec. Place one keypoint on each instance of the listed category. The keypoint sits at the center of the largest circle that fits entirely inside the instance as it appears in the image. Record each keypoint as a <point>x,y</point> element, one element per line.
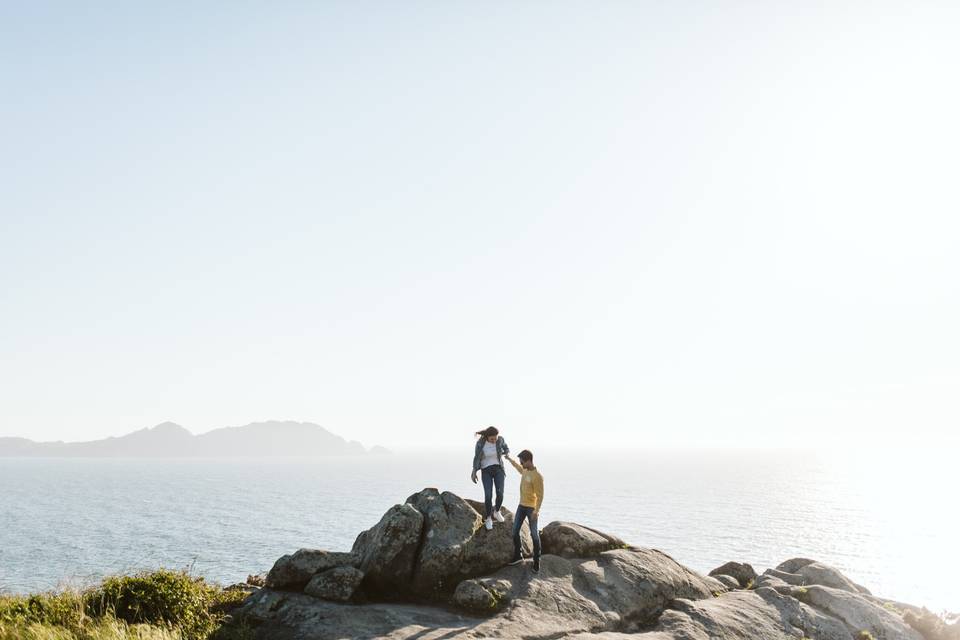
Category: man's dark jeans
<point>492,475</point>
<point>528,513</point>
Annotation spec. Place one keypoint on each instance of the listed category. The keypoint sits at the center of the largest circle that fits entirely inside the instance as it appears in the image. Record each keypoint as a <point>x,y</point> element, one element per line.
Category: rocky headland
<point>270,439</point>
<point>429,570</point>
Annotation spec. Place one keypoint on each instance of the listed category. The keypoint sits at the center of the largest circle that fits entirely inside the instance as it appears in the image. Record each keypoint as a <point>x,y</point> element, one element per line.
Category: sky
<point>598,225</point>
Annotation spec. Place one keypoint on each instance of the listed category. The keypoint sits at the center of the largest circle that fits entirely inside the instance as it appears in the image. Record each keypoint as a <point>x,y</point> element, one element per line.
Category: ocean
<point>889,521</point>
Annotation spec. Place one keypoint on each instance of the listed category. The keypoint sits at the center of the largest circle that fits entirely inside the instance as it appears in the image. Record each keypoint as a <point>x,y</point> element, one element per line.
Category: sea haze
<point>257,439</point>
<point>888,522</point>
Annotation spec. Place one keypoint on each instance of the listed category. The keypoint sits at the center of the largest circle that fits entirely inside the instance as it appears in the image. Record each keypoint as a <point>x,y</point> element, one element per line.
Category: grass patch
<point>157,605</point>
<point>99,630</point>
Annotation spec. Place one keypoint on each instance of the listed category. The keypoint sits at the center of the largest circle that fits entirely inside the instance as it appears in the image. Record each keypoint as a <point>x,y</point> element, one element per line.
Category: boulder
<point>767,580</point>
<point>616,590</point>
<point>793,564</point>
<point>745,615</point>
<point>489,550</point>
<point>339,584</point>
<point>790,578</point>
<point>422,549</point>
<point>822,574</point>
<point>571,540</point>
<point>295,571</point>
<point>793,613</point>
<point>741,571</point>
<point>856,612</point>
<point>931,626</point>
<point>387,552</point>
<point>448,526</point>
<point>808,572</point>
<point>728,581</point>
<point>455,545</point>
<point>482,595</point>
<point>638,584</point>
<point>276,615</point>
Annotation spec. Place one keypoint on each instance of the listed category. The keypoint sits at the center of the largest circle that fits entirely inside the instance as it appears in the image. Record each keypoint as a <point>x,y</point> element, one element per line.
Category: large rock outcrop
<point>429,570</point>
<point>419,550</point>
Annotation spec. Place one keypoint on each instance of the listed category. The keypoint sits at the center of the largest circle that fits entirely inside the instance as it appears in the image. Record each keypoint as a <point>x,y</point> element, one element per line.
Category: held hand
<point>473,476</point>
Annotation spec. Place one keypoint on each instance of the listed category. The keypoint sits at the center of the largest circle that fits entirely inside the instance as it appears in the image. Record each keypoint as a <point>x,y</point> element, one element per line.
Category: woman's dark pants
<point>528,513</point>
<point>492,475</point>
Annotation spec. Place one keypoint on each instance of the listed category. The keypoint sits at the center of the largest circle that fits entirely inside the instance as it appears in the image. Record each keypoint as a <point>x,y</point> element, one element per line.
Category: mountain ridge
<point>270,439</point>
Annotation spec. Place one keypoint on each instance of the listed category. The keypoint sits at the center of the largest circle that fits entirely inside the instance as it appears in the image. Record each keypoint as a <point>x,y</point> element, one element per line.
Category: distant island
<point>169,440</point>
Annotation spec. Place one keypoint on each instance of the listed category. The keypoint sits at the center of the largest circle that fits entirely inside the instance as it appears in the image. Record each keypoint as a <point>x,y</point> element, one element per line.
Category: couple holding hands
<point>488,457</point>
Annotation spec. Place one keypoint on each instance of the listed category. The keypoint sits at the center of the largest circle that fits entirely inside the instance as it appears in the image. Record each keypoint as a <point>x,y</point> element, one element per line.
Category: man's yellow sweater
<point>531,487</point>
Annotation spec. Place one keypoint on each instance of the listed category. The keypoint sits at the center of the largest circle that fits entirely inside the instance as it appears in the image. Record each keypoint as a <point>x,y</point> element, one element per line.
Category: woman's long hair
<point>489,431</point>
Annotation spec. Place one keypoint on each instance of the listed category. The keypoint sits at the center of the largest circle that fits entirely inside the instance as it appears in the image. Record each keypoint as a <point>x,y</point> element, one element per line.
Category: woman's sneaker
<point>488,523</point>
<point>498,515</point>
<point>516,560</point>
<point>536,565</point>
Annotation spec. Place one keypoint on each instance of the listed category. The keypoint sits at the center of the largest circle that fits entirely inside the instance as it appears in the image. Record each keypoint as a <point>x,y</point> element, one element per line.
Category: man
<point>531,497</point>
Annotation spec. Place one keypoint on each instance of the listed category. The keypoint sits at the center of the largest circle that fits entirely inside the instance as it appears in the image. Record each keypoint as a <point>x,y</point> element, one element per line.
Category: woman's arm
<point>476,463</point>
<point>477,454</point>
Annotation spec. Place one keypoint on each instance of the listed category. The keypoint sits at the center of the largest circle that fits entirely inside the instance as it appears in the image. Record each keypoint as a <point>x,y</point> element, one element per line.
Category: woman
<point>488,460</point>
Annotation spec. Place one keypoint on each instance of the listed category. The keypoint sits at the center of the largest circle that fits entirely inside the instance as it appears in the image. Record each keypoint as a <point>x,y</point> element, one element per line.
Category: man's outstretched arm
<point>515,465</point>
<point>538,487</point>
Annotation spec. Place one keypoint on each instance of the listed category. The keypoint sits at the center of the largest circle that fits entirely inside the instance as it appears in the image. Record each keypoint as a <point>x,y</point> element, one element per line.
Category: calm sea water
<point>888,521</point>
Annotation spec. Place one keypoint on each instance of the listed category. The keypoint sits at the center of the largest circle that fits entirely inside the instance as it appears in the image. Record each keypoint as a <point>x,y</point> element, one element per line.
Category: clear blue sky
<point>636,224</point>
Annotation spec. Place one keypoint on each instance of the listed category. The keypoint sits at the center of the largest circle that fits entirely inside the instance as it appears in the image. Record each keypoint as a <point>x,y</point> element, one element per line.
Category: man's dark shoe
<point>516,560</point>
<point>536,565</point>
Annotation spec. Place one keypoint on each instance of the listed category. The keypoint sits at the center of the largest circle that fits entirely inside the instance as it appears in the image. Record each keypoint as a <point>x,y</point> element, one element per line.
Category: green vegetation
<point>864,635</point>
<point>160,605</point>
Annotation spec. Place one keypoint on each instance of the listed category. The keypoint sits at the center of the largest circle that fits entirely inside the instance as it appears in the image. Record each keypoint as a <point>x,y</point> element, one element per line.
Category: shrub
<point>61,609</point>
<point>165,598</point>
